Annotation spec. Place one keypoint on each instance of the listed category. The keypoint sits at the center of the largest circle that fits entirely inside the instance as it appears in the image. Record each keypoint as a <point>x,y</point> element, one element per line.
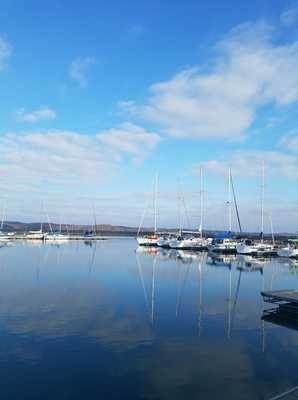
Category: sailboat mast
<point>3,215</point>
<point>179,207</point>
<point>262,200</point>
<point>155,202</point>
<point>230,202</point>
<point>201,202</point>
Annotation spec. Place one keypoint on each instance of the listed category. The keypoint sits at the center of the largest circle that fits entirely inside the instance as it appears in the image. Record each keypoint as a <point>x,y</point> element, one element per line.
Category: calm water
<point>107,322</point>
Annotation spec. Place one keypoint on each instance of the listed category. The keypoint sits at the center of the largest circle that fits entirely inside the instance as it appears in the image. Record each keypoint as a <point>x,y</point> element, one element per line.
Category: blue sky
<point>97,96</point>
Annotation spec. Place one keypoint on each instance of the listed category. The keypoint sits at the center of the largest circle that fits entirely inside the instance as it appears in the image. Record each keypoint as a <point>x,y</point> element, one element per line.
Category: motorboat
<point>224,245</point>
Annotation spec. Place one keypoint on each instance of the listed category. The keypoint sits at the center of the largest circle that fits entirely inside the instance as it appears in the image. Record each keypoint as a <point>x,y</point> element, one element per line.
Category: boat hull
<point>188,244</point>
<point>288,253</point>
<point>147,241</point>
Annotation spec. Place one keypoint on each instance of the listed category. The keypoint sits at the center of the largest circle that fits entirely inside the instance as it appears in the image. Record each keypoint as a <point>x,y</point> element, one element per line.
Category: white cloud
<point>289,17</point>
<point>290,142</point>
<point>250,71</point>
<point>41,114</point>
<point>31,161</point>
<point>249,163</point>
<point>79,69</point>
<point>130,139</point>
<point>5,52</point>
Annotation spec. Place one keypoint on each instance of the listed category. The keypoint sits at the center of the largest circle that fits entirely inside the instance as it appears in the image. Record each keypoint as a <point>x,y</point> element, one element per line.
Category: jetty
<point>286,302</point>
<point>291,394</point>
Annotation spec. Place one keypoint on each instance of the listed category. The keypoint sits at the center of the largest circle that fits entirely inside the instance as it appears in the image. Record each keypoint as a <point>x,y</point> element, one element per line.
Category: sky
<point>98,97</point>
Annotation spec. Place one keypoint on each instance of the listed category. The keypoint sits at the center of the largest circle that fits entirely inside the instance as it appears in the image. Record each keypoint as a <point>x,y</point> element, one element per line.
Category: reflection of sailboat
<point>188,255</point>
<point>92,259</point>
<point>182,278</point>
<point>251,264</point>
<point>151,307</point>
<point>140,270</point>
<point>200,270</point>
<point>221,260</point>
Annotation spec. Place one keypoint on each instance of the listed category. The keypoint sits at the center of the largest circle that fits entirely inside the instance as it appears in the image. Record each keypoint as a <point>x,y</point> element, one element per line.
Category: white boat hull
<point>189,244</point>
<point>58,237</point>
<point>147,241</point>
<point>259,249</point>
<point>288,252</point>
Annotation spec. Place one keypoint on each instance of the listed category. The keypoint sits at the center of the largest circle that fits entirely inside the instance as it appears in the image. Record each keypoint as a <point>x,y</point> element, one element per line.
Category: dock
<point>291,394</point>
<point>286,302</point>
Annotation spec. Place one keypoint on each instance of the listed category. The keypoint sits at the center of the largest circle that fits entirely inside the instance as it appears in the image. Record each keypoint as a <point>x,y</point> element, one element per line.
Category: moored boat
<point>261,249</point>
<point>35,235</point>
<point>290,251</point>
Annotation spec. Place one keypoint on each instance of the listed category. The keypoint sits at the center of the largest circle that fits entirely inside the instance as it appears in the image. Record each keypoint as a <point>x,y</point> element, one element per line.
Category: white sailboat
<point>56,236</point>
<point>192,242</point>
<point>5,236</point>
<point>150,239</point>
<point>225,243</point>
<point>258,248</point>
<point>290,251</point>
<point>35,234</point>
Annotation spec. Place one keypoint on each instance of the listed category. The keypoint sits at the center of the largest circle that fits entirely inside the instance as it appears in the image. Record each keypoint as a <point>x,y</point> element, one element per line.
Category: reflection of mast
<point>93,256</point>
<point>229,304</point>
<point>202,258</point>
<point>153,290</point>
<point>142,282</point>
<point>235,300</point>
<point>179,293</point>
<point>201,202</point>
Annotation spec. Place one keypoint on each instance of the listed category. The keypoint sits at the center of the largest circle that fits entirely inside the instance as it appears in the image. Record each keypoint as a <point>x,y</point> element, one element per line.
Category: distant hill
<point>17,226</point>
<point>107,229</point>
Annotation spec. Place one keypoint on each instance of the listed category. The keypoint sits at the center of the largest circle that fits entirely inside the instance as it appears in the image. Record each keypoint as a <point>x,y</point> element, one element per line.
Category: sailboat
<point>5,236</point>
<point>258,248</point>
<point>290,251</point>
<point>192,242</point>
<point>150,239</point>
<point>224,242</point>
<point>36,234</point>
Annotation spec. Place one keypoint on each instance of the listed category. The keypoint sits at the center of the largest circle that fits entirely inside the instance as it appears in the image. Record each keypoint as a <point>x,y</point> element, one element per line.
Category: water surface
<point>104,321</point>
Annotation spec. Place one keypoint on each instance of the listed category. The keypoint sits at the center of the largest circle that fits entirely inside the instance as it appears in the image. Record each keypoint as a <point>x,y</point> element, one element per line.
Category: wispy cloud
<point>130,139</point>
<point>249,72</point>
<point>289,17</point>
<point>249,163</point>
<point>5,52</point>
<point>32,161</point>
<point>79,70</point>
<point>290,141</point>
<point>41,114</point>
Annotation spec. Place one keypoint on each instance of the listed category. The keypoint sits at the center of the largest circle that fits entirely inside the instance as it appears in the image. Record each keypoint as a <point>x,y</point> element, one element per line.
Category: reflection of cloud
<point>69,309</point>
<point>204,368</point>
